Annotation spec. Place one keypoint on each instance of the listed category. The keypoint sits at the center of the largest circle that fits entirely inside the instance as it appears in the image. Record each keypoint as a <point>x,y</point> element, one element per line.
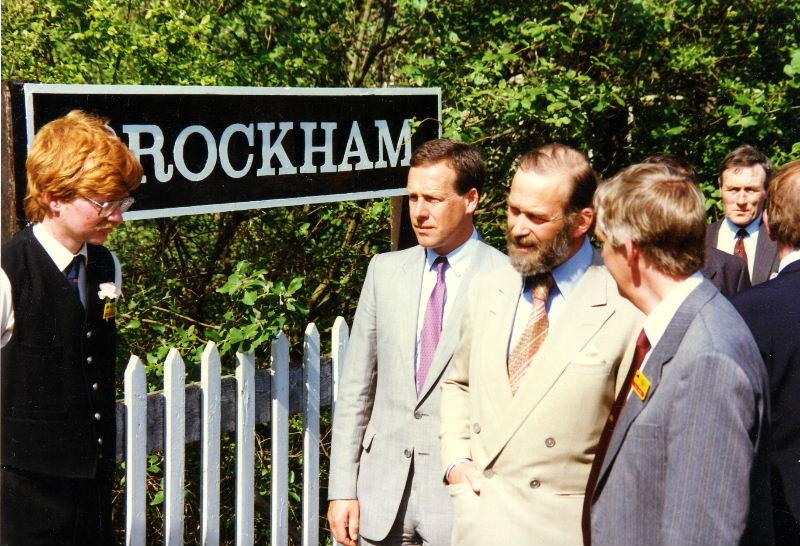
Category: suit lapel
<point>584,314</point>
<point>661,354</point>
<point>501,306</point>
<point>766,252</point>
<point>407,307</point>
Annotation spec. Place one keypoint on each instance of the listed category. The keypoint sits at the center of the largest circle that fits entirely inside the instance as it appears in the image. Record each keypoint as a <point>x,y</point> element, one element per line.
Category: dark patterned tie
<point>534,334</point>
<point>432,325</point>
<point>73,272</point>
<point>738,248</point>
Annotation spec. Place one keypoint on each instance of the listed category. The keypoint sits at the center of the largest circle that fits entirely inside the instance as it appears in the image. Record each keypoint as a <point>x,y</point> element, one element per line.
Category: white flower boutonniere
<point>109,293</point>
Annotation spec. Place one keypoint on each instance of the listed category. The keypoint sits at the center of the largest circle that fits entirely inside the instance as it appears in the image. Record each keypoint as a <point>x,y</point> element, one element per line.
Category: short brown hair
<point>783,207</point>
<point>74,155</point>
<point>560,158</point>
<point>662,212</point>
<point>465,159</point>
<point>675,163</point>
<point>747,156</point>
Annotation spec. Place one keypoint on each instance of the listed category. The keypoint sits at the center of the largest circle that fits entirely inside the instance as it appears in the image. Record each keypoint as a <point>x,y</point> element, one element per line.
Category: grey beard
<point>544,258</point>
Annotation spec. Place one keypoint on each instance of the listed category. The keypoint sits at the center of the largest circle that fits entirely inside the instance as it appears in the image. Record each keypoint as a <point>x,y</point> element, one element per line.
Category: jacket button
<point>89,359</point>
<point>407,453</point>
<point>535,483</point>
<point>476,428</point>
<point>97,416</point>
<point>550,442</point>
<point>95,386</point>
<point>89,334</point>
<point>488,473</point>
<point>417,415</point>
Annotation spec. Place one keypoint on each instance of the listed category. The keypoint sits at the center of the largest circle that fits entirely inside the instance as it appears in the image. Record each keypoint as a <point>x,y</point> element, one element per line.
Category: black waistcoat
<point>58,368</point>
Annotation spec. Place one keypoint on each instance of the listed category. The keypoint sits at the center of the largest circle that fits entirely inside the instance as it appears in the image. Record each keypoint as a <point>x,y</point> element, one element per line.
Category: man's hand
<point>343,516</point>
<point>466,472</point>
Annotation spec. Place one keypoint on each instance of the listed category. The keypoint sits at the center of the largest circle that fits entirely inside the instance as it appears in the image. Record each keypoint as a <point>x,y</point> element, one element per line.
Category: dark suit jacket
<point>772,311</point>
<point>766,260</point>
<point>725,271</point>
<point>688,464</point>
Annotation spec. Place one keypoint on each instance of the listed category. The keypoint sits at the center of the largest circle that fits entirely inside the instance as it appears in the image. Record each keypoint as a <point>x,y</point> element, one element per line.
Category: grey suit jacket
<point>381,426</point>
<point>766,261</point>
<point>687,465</point>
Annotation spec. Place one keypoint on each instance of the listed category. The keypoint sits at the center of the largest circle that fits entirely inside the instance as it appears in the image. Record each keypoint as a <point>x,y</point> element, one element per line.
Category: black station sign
<point>215,149</point>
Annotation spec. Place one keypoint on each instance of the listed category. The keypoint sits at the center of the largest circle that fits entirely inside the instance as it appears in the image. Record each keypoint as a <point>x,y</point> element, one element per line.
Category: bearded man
<point>537,366</point>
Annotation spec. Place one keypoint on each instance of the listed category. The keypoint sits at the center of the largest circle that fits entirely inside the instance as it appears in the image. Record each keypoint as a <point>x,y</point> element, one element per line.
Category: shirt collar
<point>568,274</point>
<point>790,258</point>
<point>60,255</point>
<point>656,323</point>
<point>751,229</point>
<point>457,259</point>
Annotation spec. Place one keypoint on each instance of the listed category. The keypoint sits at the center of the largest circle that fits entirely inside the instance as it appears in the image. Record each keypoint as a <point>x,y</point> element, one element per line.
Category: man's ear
<point>631,253</point>
<point>472,198</point>
<point>584,223</point>
<point>53,205</point>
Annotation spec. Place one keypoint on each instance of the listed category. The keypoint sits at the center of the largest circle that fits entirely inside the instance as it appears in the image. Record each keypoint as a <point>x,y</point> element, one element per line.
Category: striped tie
<point>534,334</point>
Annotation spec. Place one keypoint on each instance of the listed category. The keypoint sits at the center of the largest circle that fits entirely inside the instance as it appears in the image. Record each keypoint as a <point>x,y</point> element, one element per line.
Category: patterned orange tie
<point>534,334</point>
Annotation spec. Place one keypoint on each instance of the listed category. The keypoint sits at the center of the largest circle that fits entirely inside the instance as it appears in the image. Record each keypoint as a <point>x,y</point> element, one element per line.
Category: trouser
<point>39,510</point>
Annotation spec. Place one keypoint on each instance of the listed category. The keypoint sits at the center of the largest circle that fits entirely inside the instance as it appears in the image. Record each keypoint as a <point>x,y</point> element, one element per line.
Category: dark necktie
<point>738,248</point>
<point>432,325</point>
<point>73,272</point>
<point>642,348</point>
<point>534,334</point>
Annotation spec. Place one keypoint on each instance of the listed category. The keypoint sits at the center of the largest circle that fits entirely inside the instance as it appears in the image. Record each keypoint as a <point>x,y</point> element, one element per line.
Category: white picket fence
<point>146,431</point>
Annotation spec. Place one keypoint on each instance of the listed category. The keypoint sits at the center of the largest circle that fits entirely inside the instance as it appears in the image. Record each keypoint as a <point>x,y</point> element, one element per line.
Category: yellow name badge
<point>641,385</point>
<point>109,309</point>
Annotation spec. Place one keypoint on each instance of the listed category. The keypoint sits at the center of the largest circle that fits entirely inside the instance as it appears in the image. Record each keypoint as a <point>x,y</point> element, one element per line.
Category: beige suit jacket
<point>534,449</point>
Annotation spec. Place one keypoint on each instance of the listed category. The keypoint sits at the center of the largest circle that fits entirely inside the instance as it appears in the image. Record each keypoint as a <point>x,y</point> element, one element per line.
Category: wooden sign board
<point>215,149</point>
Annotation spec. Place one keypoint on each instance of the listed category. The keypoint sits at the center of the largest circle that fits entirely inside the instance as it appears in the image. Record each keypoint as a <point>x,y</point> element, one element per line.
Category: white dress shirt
<point>659,319</point>
<point>458,262</point>
<point>566,277</point>
<point>726,239</point>
<point>61,257</point>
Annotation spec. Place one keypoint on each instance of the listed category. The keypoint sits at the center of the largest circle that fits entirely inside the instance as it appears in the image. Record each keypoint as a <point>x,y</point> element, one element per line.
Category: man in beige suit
<point>537,365</point>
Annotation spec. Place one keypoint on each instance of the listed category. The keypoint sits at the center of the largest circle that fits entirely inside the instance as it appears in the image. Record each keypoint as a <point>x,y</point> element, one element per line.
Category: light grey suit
<point>381,427</point>
<point>687,464</point>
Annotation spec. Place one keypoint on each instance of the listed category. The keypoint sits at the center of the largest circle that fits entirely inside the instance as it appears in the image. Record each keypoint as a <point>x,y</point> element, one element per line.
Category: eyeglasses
<point>104,210</point>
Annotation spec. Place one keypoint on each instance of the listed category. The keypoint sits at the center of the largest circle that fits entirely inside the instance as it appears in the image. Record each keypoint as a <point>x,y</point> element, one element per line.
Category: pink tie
<point>432,326</point>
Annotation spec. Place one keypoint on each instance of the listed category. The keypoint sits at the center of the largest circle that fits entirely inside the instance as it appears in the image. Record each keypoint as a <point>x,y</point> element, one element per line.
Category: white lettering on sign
<point>223,149</point>
<point>317,140</point>
<point>134,143</point>
<point>271,149</point>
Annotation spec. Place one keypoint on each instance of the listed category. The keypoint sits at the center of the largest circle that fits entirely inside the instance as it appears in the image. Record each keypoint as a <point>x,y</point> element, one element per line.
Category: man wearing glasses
<point>58,292</point>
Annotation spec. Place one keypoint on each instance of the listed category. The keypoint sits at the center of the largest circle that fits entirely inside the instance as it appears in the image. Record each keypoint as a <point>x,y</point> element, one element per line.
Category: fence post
<point>210,394</point>
<point>339,337</point>
<point>279,361</point>
<point>311,436</point>
<point>135,452</point>
<point>174,442</point>
<point>245,446</point>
